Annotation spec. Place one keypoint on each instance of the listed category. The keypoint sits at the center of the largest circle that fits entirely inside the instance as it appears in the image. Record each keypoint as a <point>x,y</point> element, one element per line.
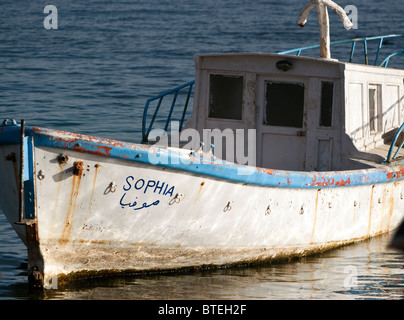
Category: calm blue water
<point>93,75</point>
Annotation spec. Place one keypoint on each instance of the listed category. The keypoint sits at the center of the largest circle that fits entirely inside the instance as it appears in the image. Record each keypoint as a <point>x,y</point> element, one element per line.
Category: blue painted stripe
<point>10,134</point>
<point>28,178</point>
<point>208,166</point>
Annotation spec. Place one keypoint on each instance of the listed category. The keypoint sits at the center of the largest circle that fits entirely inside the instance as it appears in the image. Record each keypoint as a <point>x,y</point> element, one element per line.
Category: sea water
<point>91,71</point>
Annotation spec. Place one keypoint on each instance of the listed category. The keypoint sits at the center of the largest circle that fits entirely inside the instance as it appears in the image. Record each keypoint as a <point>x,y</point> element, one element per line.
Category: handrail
<point>389,157</point>
<point>386,61</point>
<point>146,130</point>
<point>353,41</point>
<point>160,97</point>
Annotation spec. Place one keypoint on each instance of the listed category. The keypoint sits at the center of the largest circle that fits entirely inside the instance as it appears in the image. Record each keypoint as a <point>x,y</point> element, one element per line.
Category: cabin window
<point>374,108</point>
<point>284,104</point>
<point>327,94</point>
<point>225,97</point>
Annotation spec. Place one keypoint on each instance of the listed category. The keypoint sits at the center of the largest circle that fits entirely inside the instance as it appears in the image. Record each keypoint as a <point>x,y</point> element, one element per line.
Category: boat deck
<point>375,157</point>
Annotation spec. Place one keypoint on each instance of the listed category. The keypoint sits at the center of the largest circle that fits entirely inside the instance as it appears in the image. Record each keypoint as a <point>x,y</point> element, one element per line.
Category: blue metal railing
<point>393,143</point>
<point>386,61</point>
<point>189,85</point>
<point>353,46</point>
<point>174,92</point>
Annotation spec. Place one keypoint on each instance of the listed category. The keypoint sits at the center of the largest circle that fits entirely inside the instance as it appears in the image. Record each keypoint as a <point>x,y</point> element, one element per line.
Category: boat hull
<point>97,214</point>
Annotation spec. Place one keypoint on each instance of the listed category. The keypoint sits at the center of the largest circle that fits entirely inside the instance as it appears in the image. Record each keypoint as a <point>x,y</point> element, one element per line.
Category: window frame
<point>230,75</point>
<point>377,108</point>
<point>284,81</point>
<point>332,104</point>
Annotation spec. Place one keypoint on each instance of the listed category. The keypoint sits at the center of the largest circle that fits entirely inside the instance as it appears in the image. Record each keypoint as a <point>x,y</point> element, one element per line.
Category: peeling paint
<point>204,165</point>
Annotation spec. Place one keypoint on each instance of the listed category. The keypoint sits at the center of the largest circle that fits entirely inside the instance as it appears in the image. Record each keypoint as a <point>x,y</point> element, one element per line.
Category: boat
<point>312,160</point>
<point>397,241</point>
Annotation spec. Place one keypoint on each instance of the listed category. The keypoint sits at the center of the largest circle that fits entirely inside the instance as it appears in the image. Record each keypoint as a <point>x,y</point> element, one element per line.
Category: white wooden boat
<point>324,173</point>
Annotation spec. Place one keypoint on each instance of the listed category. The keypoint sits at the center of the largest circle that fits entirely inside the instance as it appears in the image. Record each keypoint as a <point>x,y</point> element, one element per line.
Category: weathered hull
<point>99,213</point>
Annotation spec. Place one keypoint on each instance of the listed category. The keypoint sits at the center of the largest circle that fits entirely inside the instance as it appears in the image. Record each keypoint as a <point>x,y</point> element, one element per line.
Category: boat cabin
<point>310,114</point>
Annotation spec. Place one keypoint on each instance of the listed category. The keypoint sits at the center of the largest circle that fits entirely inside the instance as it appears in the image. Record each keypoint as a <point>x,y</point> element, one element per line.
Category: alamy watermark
<point>351,280</point>
<point>352,13</point>
<point>51,282</point>
<point>51,20</point>
<point>235,146</point>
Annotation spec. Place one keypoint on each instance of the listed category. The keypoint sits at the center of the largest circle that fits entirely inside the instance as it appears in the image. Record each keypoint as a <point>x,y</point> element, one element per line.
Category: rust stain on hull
<point>390,213</point>
<point>198,193</point>
<point>315,217</point>
<point>370,209</point>
<point>93,189</point>
<point>100,151</point>
<point>399,173</point>
<point>72,203</point>
<point>95,179</point>
<point>200,188</point>
<point>318,181</point>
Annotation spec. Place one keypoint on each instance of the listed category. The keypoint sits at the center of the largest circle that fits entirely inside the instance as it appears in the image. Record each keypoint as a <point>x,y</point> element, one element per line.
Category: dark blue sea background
<point>93,76</point>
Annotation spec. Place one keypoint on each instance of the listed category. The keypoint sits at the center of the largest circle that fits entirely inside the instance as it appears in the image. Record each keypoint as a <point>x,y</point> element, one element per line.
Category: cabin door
<point>281,127</point>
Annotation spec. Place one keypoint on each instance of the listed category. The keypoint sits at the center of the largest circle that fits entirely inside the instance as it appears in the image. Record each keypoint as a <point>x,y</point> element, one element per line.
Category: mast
<point>323,22</point>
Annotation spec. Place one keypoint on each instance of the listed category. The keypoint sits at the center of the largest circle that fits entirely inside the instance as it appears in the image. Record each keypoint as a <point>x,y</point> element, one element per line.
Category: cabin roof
<point>265,63</point>
<point>259,56</point>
